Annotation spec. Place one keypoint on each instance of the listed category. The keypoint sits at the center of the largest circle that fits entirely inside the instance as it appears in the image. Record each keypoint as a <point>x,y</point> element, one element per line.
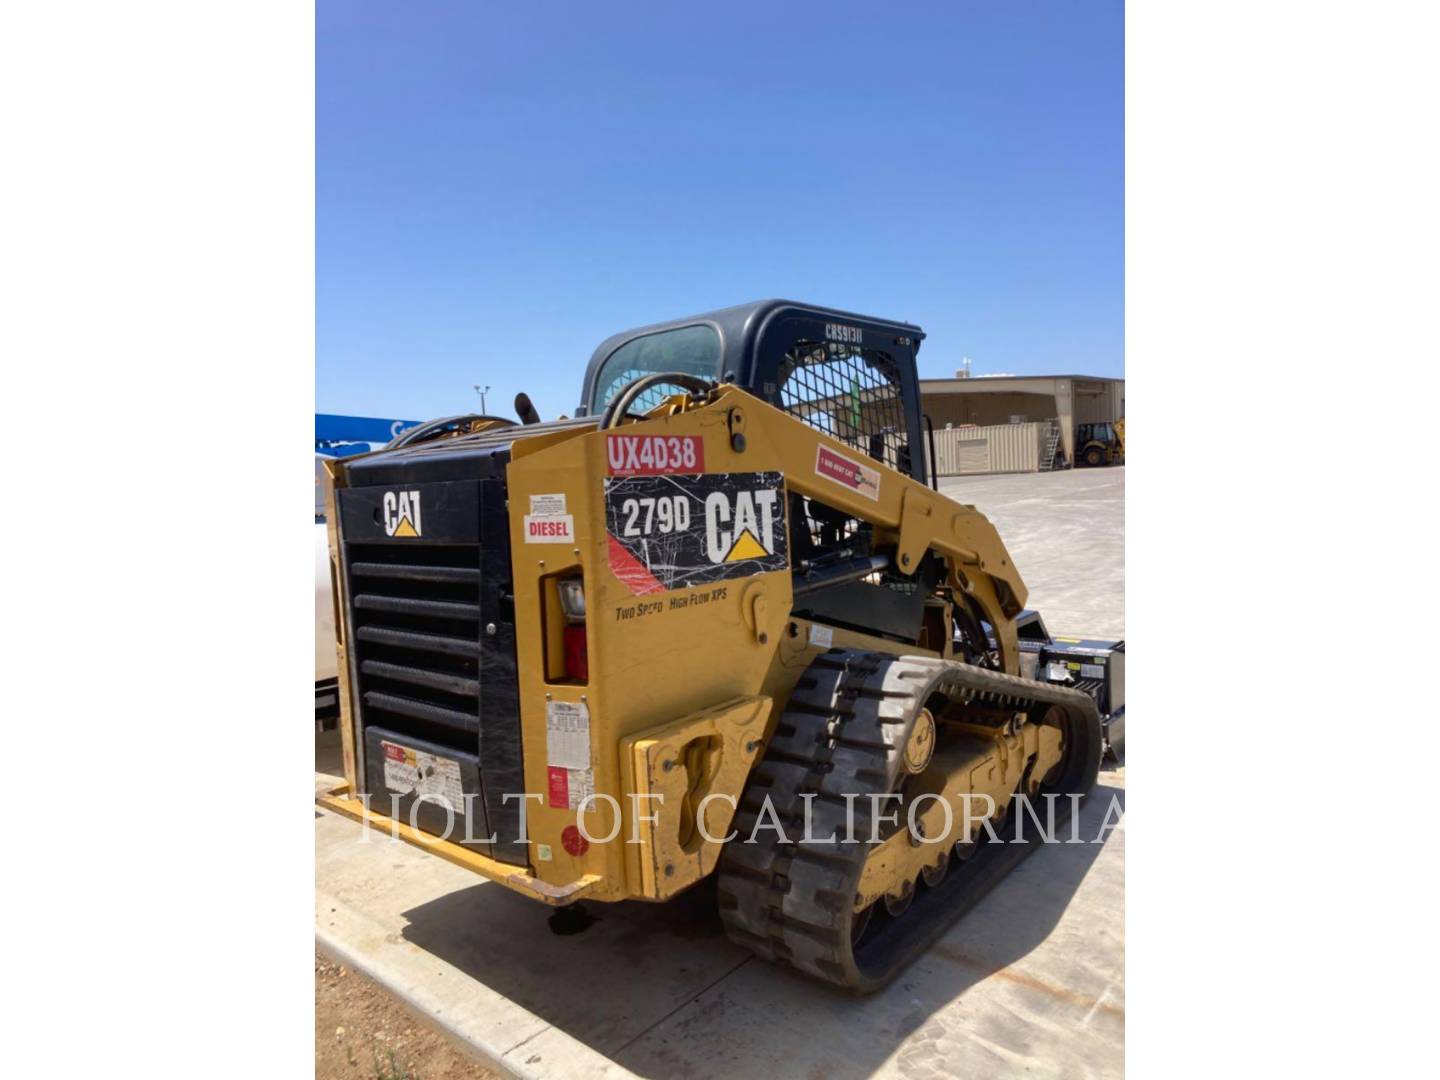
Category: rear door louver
<point>417,631</point>
<point>431,626</point>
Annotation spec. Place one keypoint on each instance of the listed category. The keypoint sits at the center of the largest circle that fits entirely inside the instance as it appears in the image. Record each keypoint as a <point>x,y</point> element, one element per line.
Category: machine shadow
<point>642,967</point>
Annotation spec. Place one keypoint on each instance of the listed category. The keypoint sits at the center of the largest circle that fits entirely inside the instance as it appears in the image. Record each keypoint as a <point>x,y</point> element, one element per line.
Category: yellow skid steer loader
<point>719,623</point>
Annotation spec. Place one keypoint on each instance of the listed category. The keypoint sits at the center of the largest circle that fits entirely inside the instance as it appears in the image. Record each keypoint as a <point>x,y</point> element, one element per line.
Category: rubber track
<point>843,732</point>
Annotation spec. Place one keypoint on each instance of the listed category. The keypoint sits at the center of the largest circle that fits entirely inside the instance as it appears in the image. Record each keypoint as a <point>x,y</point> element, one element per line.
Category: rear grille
<point>406,572</point>
<point>431,624</point>
<point>384,635</point>
<point>436,680</point>
<point>416,618</point>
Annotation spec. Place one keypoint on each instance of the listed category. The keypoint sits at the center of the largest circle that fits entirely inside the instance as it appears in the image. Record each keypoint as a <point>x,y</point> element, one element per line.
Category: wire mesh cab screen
<point>853,394</point>
<point>850,393</point>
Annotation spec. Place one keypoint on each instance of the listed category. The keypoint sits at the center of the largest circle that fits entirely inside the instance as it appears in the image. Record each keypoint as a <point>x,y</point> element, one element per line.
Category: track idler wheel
<point>920,744</point>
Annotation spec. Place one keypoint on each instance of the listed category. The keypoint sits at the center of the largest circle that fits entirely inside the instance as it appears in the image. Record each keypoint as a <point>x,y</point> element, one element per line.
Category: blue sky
<point>501,186</point>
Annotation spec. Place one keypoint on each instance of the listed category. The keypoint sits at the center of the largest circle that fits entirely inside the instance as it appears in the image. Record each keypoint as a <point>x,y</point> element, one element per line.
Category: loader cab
<point>1097,444</point>
<point>850,376</point>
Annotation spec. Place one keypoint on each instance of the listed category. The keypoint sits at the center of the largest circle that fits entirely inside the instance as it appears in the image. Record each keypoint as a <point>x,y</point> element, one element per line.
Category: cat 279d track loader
<point>718,623</point>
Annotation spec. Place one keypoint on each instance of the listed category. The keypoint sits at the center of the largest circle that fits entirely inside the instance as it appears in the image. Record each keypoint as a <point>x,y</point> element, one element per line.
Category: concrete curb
<point>404,970</point>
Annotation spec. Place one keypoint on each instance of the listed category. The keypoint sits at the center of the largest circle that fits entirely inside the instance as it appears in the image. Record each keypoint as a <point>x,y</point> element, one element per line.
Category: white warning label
<point>567,735</point>
<point>582,786</point>
<point>568,788</point>
<point>414,772</point>
<point>547,505</point>
<point>822,637</point>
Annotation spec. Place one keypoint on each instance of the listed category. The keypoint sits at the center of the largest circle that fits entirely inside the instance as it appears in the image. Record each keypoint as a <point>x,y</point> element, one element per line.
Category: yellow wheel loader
<point>718,624</point>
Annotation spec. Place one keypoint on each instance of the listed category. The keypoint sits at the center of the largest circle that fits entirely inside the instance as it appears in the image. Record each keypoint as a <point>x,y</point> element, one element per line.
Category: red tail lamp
<point>572,602</point>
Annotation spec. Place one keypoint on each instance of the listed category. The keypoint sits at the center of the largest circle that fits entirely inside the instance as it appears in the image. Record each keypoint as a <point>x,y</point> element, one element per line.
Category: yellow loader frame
<point>668,766</point>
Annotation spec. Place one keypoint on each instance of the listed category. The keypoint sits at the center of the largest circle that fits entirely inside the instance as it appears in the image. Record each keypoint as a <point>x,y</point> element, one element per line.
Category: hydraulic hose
<point>838,574</point>
<point>435,428</point>
<point>620,403</point>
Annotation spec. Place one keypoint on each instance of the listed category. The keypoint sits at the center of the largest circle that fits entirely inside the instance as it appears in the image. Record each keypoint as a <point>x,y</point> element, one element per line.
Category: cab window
<point>694,350</point>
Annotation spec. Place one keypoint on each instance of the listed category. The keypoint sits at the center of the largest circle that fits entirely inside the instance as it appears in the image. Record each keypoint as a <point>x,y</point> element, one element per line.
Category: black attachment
<point>525,410</point>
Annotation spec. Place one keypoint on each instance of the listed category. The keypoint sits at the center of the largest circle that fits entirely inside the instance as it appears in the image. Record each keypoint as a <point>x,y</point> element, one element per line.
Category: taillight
<point>572,598</point>
<point>572,603</point>
<point>577,658</point>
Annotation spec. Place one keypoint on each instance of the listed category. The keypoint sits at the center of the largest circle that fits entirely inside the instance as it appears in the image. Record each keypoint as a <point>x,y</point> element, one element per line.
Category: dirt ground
<point>363,1033</point>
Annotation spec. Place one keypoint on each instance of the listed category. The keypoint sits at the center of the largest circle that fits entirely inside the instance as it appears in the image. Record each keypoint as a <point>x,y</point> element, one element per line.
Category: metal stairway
<point>1052,442</point>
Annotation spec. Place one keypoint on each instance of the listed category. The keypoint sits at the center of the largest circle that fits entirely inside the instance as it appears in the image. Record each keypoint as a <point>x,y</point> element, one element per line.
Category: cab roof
<point>741,329</point>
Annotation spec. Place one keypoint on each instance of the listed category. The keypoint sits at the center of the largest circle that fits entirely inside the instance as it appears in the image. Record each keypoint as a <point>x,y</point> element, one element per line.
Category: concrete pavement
<point>1066,533</point>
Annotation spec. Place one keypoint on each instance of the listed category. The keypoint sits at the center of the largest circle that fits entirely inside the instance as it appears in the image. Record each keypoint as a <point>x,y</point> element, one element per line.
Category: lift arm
<point>914,517</point>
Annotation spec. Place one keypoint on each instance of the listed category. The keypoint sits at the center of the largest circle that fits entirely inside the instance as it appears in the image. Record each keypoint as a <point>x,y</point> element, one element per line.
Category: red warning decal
<point>559,787</point>
<point>654,455</point>
<point>573,841</point>
<point>847,471</point>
